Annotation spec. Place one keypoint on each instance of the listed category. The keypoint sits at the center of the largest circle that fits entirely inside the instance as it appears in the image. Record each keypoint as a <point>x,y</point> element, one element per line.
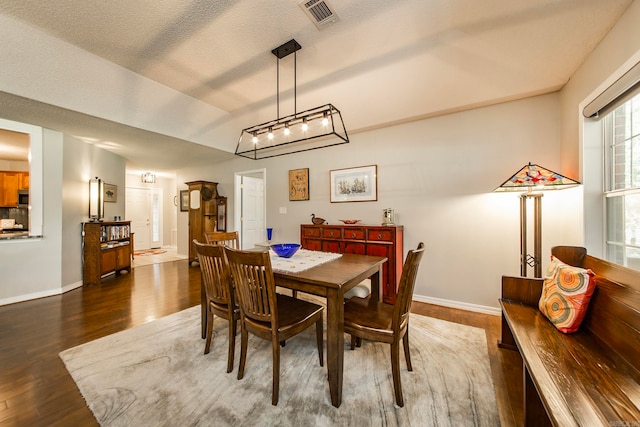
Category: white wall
<point>53,264</point>
<point>32,268</point>
<point>580,139</point>
<point>13,165</point>
<point>439,175</point>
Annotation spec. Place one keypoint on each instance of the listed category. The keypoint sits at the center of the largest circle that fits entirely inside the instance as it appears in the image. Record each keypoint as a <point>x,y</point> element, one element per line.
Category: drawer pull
<point>353,234</point>
<point>379,236</point>
<point>331,234</point>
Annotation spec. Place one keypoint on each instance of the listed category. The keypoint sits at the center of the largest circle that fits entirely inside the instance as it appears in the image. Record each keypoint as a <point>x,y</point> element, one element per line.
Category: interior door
<point>250,208</point>
<point>144,209</point>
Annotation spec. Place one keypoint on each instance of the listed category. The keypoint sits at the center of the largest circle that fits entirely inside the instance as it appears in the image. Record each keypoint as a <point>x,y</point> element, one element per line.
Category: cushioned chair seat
<point>362,290</point>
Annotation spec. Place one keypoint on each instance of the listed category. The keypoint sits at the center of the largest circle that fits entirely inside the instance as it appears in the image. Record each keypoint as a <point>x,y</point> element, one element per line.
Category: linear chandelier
<point>311,129</point>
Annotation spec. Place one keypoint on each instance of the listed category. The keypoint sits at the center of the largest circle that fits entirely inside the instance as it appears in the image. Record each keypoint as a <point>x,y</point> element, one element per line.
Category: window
<point>622,194</point>
<point>36,161</point>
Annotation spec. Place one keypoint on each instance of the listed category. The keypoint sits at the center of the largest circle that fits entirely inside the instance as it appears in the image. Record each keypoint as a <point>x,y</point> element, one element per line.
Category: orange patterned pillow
<point>565,295</point>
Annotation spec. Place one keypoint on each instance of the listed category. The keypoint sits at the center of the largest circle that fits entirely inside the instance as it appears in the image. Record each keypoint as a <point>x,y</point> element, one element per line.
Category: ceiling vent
<point>320,12</point>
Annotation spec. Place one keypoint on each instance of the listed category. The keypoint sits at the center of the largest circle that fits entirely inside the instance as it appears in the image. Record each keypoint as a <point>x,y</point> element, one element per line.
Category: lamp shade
<point>96,200</point>
<point>534,177</point>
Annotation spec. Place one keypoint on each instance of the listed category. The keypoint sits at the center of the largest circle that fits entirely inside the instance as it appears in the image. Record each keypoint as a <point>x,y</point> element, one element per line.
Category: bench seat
<point>580,381</point>
<point>587,378</point>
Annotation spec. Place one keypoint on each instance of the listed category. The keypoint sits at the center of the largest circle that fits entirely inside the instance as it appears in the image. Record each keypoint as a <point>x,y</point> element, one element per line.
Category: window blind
<point>615,95</point>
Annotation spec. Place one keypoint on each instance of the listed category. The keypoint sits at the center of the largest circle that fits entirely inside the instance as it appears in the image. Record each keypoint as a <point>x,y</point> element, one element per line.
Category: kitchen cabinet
<point>106,249</point>
<point>384,241</point>
<point>10,183</point>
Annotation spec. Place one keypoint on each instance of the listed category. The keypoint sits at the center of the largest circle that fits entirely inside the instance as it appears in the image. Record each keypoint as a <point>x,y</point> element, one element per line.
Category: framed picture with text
<point>299,184</point>
<point>358,184</point>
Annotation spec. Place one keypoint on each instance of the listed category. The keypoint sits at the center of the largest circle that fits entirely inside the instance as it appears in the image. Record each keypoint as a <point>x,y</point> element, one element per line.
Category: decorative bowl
<point>350,221</point>
<point>285,250</point>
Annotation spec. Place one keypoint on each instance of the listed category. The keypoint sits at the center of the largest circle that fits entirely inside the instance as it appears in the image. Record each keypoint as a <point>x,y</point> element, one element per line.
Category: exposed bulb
<point>270,134</point>
<point>286,130</point>
<point>305,126</point>
<point>325,120</point>
<point>255,138</point>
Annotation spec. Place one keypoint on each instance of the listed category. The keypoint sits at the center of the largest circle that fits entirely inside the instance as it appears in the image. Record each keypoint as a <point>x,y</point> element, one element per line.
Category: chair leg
<point>204,310</point>
<point>275,390</point>
<point>353,342</point>
<point>233,325</point>
<point>407,355</point>
<point>395,369</point>
<point>209,320</point>
<point>244,337</point>
<point>319,329</point>
<point>358,342</point>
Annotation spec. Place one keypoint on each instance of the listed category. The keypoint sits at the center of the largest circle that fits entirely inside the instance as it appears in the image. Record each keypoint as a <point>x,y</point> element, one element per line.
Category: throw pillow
<point>565,295</point>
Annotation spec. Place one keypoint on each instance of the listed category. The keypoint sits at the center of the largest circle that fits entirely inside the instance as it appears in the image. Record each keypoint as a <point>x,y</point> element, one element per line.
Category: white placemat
<point>301,260</point>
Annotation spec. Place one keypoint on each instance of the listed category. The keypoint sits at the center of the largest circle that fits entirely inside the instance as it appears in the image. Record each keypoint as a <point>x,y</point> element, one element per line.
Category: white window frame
<point>626,244</point>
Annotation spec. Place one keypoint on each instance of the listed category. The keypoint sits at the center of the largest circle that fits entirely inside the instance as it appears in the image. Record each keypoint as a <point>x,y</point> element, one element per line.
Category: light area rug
<point>148,252</point>
<point>157,375</point>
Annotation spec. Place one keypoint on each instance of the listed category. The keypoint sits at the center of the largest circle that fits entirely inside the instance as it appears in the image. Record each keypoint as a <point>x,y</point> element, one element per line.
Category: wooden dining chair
<point>225,238</point>
<point>267,314</point>
<point>376,321</point>
<point>220,295</point>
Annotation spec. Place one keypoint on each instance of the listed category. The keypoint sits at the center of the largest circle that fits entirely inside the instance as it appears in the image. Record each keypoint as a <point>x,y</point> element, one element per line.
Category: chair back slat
<point>215,273</point>
<point>255,286</point>
<point>224,238</point>
<point>407,283</point>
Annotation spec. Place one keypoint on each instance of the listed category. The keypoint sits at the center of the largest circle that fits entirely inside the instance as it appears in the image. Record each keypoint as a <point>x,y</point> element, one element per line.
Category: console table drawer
<point>311,232</point>
<point>332,233</point>
<point>380,235</point>
<point>354,233</point>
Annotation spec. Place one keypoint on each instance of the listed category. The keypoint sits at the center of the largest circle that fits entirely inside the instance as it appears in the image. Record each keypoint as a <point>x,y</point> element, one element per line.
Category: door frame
<point>237,211</point>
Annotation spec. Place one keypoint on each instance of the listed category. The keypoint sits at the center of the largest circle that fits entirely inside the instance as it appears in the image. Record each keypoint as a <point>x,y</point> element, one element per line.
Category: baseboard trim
<point>458,304</point>
<point>38,295</point>
<point>72,286</point>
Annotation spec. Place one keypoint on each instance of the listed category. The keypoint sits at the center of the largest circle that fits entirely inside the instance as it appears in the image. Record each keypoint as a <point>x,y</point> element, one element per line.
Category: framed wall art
<point>354,184</point>
<point>110,193</point>
<point>299,184</point>
<point>184,200</point>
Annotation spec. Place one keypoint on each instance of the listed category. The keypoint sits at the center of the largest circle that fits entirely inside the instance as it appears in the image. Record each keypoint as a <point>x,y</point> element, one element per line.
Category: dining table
<point>331,280</point>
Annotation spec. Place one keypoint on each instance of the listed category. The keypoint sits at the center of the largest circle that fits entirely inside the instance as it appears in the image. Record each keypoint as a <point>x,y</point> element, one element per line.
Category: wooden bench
<point>588,378</point>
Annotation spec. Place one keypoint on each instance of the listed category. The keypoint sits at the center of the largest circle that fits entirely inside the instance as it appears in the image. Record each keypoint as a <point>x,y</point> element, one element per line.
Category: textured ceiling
<point>383,62</point>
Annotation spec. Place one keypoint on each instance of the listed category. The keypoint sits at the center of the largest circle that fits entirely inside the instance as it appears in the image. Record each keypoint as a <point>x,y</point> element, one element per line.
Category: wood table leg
<point>376,289</point>
<point>335,344</point>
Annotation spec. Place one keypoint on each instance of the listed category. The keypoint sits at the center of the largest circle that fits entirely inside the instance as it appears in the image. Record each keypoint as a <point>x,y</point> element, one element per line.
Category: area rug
<point>157,375</point>
<point>147,252</point>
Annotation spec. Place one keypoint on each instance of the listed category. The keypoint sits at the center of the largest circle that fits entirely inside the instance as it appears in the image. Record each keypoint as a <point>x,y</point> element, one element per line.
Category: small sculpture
<point>317,220</point>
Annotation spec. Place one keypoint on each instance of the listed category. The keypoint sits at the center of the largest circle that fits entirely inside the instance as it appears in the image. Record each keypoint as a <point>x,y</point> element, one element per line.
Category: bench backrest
<point>614,311</point>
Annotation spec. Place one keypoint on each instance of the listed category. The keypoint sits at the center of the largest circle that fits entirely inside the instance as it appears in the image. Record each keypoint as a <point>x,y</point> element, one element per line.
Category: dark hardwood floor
<point>36,389</point>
